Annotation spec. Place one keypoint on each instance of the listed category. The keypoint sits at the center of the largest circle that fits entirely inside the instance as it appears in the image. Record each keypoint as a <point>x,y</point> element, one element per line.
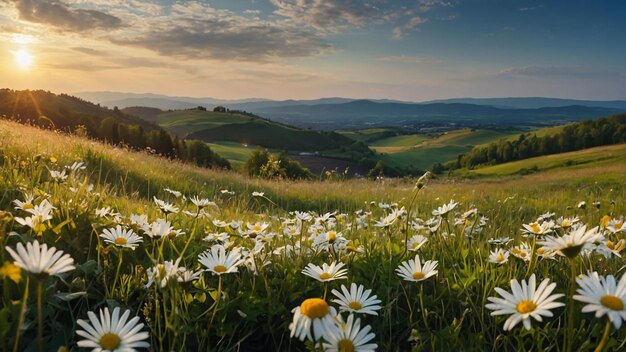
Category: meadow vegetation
<point>215,260</point>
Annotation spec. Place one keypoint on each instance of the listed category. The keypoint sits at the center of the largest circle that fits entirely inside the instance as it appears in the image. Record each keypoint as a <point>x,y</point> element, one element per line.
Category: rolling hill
<point>242,128</point>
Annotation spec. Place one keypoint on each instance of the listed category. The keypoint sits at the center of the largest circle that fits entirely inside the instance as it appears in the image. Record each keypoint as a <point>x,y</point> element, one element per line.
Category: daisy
<point>121,237</point>
<point>609,247</point>
<point>166,207</point>
<point>572,243</point>
<point>536,229</point>
<point>313,314</point>
<point>302,216</point>
<point>413,270</point>
<point>567,222</point>
<point>499,256</point>
<point>202,203</point>
<point>327,272</point>
<point>522,251</point>
<point>112,332</point>
<point>176,194</point>
<point>445,209</point>
<point>356,300</point>
<point>416,242</point>
<point>216,237</point>
<point>76,166</point>
<point>217,261</point>
<point>258,194</point>
<point>41,260</point>
<point>616,225</point>
<point>499,241</point>
<point>163,273</point>
<point>161,228</point>
<point>58,176</point>
<point>525,301</point>
<point>350,337</point>
<point>26,204</point>
<point>603,296</point>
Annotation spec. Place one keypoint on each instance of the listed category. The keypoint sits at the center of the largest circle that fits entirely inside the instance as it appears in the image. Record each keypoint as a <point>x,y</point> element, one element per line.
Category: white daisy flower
<point>499,241</point>
<point>76,166</point>
<point>163,273</point>
<point>26,204</point>
<point>112,332</point>
<point>176,194</point>
<point>572,243</point>
<point>413,270</point>
<point>121,238</point>
<point>58,176</point>
<point>327,272</point>
<point>536,229</point>
<point>604,296</point>
<point>202,202</point>
<point>217,261</point>
<point>258,194</point>
<point>522,251</point>
<point>165,207</point>
<point>356,300</point>
<point>313,319</point>
<point>216,237</point>
<point>416,242</point>
<point>525,301</point>
<point>445,209</point>
<point>161,228</point>
<point>350,337</point>
<point>499,256</point>
<point>41,260</point>
<point>616,225</point>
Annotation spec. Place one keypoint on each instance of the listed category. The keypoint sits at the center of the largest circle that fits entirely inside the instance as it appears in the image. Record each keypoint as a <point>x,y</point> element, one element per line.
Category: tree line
<point>74,115</point>
<point>576,136</point>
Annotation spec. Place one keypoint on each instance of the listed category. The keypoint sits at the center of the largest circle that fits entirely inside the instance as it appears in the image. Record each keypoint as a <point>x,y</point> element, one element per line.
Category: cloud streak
<point>63,18</point>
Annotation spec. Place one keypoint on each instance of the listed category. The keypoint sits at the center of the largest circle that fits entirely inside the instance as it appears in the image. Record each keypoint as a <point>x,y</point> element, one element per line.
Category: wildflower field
<point>105,249</point>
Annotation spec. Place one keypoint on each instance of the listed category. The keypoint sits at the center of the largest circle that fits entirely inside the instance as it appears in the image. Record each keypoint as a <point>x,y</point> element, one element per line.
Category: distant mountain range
<point>345,113</point>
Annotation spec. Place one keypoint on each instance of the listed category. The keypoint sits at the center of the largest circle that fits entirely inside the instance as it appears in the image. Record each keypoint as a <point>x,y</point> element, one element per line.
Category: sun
<point>23,58</point>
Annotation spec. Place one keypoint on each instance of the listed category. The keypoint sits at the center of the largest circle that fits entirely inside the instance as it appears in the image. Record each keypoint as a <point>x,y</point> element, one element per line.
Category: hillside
<point>70,114</point>
<point>576,136</point>
<point>592,157</point>
<point>243,128</point>
<point>63,110</point>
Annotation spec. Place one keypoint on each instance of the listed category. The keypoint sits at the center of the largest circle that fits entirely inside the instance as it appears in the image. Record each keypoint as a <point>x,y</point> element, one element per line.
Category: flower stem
<point>217,299</point>
<point>570,315</point>
<point>117,274</point>
<point>424,313</point>
<point>39,315</point>
<point>605,336</point>
<point>20,321</point>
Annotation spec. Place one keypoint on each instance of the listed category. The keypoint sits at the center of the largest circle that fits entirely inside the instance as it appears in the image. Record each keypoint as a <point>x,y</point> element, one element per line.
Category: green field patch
<point>615,154</point>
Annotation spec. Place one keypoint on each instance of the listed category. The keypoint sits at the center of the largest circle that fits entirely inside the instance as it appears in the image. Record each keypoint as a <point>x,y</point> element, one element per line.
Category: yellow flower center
<point>418,275</point>
<point>522,254</point>
<point>540,251</point>
<point>500,258</point>
<point>171,234</point>
<point>612,302</point>
<point>257,228</point>
<point>28,206</point>
<point>604,222</point>
<point>566,223</point>
<point>618,225</point>
<point>332,236</point>
<point>355,305</point>
<point>351,248</point>
<point>345,346</point>
<point>120,241</point>
<point>325,276</point>
<point>219,269</point>
<point>610,245</point>
<point>536,228</point>
<point>314,308</point>
<point>110,341</point>
<point>524,307</point>
<point>415,244</point>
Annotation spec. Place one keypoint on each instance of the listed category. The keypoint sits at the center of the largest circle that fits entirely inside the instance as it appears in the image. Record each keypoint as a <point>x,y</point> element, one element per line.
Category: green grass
<point>184,122</point>
<point>236,153</point>
<point>444,147</point>
<point>250,310</point>
<point>369,135</point>
<point>401,141</point>
<point>592,157</point>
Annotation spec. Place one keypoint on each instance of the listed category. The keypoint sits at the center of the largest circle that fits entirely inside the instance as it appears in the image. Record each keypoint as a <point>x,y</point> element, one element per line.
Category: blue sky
<point>289,49</point>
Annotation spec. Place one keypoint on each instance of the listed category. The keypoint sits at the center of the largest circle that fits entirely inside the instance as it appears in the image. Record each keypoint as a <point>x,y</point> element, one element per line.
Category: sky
<point>412,50</point>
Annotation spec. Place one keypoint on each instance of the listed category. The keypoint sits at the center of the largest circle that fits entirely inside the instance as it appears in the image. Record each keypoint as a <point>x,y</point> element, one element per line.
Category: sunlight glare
<point>23,59</point>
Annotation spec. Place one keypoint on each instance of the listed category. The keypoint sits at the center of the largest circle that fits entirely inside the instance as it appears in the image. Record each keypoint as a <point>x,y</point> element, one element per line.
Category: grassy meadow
<point>275,229</point>
<point>423,151</point>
